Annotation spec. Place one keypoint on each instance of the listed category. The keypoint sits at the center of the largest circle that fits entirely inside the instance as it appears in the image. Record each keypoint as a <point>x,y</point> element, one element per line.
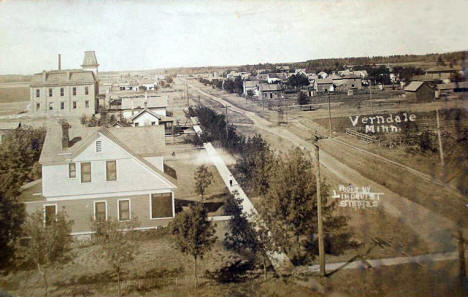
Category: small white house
<point>146,118</point>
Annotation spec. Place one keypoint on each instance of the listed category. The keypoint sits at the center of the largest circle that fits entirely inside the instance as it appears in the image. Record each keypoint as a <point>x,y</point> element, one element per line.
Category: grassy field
<point>14,94</point>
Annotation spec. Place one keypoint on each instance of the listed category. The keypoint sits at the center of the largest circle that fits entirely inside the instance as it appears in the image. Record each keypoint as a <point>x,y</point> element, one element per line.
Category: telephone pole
<point>319,212</point>
<point>227,120</point>
<point>441,151</point>
<point>329,116</point>
<point>186,94</point>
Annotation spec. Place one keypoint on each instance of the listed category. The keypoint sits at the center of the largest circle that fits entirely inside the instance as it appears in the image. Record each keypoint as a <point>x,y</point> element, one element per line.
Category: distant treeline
<point>15,78</point>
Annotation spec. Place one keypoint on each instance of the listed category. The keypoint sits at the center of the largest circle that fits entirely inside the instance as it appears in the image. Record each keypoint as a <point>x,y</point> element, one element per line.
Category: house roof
<point>324,81</point>
<point>63,77</point>
<point>90,59</point>
<point>145,111</point>
<point>138,101</point>
<point>138,142</point>
<point>413,86</point>
<point>250,83</point>
<point>441,69</point>
<point>270,87</point>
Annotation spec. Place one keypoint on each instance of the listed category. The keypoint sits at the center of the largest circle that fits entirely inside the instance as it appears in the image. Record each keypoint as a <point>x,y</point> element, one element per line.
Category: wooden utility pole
<point>441,151</point>
<point>329,116</point>
<point>227,134</point>
<point>319,213</point>
<point>370,95</point>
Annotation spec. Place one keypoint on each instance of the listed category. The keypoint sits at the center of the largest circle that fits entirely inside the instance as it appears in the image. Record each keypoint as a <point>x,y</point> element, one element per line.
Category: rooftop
<point>413,86</point>
<point>63,77</point>
<point>90,59</point>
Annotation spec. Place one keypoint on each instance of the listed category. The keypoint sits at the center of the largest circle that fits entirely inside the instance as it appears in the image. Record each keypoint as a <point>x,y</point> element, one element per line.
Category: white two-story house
<point>98,173</point>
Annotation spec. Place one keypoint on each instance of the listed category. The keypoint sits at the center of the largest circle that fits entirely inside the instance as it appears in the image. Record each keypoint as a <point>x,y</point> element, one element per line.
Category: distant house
<point>148,118</point>
<point>148,83</point>
<point>270,91</point>
<point>440,73</point>
<point>250,85</point>
<point>283,68</point>
<point>131,105</point>
<point>324,85</point>
<point>95,174</point>
<point>273,78</point>
<point>322,74</point>
<point>262,77</point>
<point>419,91</point>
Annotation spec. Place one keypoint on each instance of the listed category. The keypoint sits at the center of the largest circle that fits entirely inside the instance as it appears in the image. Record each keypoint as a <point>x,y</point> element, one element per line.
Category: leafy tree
<point>48,242</point>
<point>298,80</point>
<point>289,209</point>
<point>302,99</point>
<point>203,178</point>
<point>116,246</point>
<point>193,234</point>
<point>250,93</point>
<point>11,217</point>
<point>255,164</point>
<point>245,234</point>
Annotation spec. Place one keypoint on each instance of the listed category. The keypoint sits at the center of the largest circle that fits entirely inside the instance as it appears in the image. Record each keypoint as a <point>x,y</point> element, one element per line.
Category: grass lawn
<point>14,94</point>
<point>158,270</point>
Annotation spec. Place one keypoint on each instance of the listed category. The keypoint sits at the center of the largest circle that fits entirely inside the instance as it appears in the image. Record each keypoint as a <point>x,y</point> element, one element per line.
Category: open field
<point>14,94</point>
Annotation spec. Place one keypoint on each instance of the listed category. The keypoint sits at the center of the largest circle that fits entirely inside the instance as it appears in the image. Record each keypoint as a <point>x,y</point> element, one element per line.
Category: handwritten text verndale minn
<point>382,123</point>
<point>356,197</point>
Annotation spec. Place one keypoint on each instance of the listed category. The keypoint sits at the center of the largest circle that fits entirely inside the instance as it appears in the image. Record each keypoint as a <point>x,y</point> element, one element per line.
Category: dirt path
<point>433,228</point>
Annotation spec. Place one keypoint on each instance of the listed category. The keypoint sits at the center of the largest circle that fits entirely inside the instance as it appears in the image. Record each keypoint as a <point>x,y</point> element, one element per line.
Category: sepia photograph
<point>233,148</point>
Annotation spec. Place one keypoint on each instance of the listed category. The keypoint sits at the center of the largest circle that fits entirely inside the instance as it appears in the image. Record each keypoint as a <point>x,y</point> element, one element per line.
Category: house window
<point>153,123</point>
<point>98,146</point>
<point>100,211</point>
<point>124,210</point>
<point>38,106</point>
<point>161,205</point>
<point>74,104</point>
<point>62,92</point>
<point>74,91</point>
<point>87,104</point>
<point>51,106</point>
<point>86,172</point>
<point>137,124</point>
<point>38,93</point>
<point>111,170</point>
<point>50,214</point>
<point>271,95</point>
<point>62,105</point>
<point>50,92</point>
<point>86,90</point>
<point>72,170</point>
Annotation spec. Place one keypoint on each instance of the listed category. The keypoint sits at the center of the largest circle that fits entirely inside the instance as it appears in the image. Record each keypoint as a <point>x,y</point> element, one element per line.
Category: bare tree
<point>203,178</point>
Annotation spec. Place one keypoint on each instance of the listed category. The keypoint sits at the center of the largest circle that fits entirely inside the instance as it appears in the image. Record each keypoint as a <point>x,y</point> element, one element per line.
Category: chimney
<point>44,76</point>
<point>59,62</point>
<point>65,134</point>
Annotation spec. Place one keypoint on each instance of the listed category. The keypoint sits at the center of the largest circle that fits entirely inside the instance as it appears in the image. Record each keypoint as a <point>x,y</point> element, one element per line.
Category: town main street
<point>435,229</point>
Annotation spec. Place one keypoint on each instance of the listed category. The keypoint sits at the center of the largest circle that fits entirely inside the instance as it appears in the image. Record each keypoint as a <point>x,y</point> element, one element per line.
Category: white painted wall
<point>146,119</point>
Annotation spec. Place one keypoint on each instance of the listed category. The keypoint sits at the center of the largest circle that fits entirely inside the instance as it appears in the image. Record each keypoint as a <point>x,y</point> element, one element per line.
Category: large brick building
<point>70,92</point>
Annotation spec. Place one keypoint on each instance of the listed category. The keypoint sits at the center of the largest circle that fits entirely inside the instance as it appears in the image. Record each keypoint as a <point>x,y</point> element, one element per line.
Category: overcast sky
<point>131,35</point>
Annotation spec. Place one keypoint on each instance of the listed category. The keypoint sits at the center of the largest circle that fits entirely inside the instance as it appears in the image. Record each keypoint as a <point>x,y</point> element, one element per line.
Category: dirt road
<point>435,229</point>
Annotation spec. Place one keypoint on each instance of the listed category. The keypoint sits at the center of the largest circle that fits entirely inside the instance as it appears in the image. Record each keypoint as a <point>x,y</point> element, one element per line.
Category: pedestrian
<point>230,182</point>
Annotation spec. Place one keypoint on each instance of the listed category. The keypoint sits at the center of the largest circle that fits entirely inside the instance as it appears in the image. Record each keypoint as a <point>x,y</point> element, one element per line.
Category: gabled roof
<point>413,86</point>
<point>139,101</point>
<point>324,81</point>
<point>250,83</point>
<point>140,143</point>
<point>146,110</point>
<point>441,69</point>
<point>270,87</point>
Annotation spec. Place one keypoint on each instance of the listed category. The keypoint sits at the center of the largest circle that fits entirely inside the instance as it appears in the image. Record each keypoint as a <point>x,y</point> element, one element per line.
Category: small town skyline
<point>180,34</point>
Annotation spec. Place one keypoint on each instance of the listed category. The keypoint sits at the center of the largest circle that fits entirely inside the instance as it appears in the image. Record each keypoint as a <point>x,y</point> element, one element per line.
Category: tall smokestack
<point>59,62</point>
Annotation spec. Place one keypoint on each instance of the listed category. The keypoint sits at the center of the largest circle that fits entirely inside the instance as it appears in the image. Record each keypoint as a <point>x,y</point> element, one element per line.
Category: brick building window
<point>38,106</point>
<point>87,104</point>
<point>161,205</point>
<point>62,105</point>
<point>100,211</point>
<point>74,104</point>
<point>62,92</point>
<point>74,91</point>
<point>50,92</point>
<point>124,210</point>
<point>51,105</point>
<point>38,93</point>
<point>86,90</point>
<point>86,172</point>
